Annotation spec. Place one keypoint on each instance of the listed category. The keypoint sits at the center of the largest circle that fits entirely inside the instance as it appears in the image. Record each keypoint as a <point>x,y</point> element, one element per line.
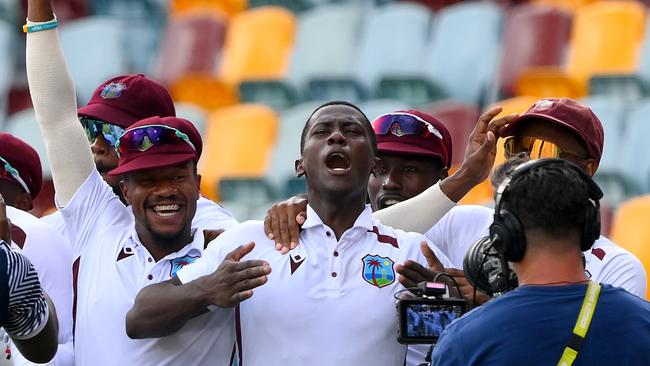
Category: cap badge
<point>542,105</point>
<point>396,130</point>
<point>112,90</point>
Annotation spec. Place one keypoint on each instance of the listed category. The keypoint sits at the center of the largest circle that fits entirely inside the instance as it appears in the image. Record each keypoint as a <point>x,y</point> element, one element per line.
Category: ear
<point>198,186</point>
<point>124,187</point>
<point>300,170</point>
<point>377,164</point>
<point>590,166</point>
<point>23,202</point>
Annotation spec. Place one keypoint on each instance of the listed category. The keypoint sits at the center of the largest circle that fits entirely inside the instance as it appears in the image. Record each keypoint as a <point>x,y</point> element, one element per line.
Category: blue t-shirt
<point>532,324</point>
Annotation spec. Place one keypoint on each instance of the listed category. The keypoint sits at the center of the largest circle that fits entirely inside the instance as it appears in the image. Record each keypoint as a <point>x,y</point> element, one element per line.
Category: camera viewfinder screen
<point>429,321</point>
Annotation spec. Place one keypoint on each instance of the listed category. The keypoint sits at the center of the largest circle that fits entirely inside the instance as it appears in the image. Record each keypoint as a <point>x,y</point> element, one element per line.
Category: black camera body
<point>422,319</point>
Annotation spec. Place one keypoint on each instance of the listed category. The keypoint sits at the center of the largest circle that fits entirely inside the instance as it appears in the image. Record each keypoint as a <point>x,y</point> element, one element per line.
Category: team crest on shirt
<point>378,271</point>
<point>180,262</point>
<point>112,90</point>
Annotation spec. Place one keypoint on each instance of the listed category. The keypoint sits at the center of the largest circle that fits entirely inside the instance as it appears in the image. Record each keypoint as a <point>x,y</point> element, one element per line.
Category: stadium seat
<point>238,143</point>
<point>605,39</point>
<point>192,113</point>
<point>435,5</point>
<point>571,5</point>
<point>204,90</point>
<point>611,112</point>
<point>455,69</point>
<point>632,163</point>
<point>91,62</point>
<point>460,119</point>
<point>325,54</point>
<point>392,52</point>
<point>534,36</point>
<point>191,44</point>
<point>258,45</point>
<point>24,126</point>
<point>226,7</point>
<point>7,44</point>
<point>295,6</point>
<point>631,231</point>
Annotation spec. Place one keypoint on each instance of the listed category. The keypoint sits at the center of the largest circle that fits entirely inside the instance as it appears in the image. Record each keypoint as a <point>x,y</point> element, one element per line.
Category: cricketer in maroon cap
<point>21,175</point>
<point>415,149</point>
<point>116,105</point>
<point>557,128</point>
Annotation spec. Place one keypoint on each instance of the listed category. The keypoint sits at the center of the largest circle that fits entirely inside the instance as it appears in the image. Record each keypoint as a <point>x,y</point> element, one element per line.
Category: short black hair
<point>365,121</point>
<point>551,197</point>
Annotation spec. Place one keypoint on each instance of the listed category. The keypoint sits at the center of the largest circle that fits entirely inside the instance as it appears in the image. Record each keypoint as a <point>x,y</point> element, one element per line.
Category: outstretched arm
<point>164,308</point>
<point>54,99</point>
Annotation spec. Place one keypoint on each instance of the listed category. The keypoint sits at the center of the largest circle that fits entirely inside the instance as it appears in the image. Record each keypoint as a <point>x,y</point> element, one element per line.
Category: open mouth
<point>166,210</point>
<point>389,201</point>
<point>337,162</point>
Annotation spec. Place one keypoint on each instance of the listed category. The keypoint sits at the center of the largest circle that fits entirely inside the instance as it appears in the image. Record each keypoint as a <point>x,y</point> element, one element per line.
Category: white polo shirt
<point>326,302</point>
<point>606,262</point>
<point>52,258</point>
<point>112,266</point>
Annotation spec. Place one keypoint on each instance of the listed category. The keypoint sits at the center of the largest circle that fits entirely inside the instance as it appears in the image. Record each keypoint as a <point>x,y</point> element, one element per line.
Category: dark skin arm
<point>39,10</point>
<point>283,220</point>
<point>164,308</point>
<point>42,347</point>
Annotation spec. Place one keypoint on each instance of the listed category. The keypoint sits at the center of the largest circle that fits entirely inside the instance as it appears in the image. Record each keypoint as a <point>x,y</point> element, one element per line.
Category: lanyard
<point>582,325</point>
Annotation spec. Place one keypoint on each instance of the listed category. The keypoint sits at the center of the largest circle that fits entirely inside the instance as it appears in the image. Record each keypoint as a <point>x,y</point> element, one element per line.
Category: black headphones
<point>507,233</point>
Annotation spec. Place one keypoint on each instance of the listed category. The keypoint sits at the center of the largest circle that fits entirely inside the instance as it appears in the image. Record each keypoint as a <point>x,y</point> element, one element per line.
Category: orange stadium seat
<point>534,36</point>
<point>238,144</point>
<point>258,45</point>
<point>565,4</point>
<point>204,90</point>
<point>227,7</point>
<point>191,44</point>
<point>606,39</point>
<point>630,230</point>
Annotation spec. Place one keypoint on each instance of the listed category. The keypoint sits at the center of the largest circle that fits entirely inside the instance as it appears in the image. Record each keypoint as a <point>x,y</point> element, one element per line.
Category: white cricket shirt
<point>52,258</point>
<point>606,262</point>
<point>326,302</point>
<point>112,266</point>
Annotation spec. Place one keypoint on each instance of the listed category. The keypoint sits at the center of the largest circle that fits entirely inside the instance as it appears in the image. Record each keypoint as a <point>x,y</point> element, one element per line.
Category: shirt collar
<point>364,220</point>
<point>197,243</point>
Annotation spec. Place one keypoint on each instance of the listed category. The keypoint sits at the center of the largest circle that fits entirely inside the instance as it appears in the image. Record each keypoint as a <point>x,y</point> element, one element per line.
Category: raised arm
<point>421,212</point>
<point>54,99</point>
<point>164,308</point>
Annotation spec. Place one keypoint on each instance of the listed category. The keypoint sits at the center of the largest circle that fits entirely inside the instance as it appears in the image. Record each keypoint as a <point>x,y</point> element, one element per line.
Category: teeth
<point>165,214</point>
<point>166,210</point>
<point>390,202</point>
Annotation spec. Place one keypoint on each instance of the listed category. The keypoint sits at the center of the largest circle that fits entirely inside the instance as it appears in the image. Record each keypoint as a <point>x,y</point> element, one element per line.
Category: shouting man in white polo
<point>330,301</point>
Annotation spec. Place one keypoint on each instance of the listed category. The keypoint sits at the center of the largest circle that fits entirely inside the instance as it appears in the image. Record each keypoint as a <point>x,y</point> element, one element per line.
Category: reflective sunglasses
<point>400,124</point>
<point>8,170</point>
<point>536,148</point>
<point>143,137</point>
<point>93,128</point>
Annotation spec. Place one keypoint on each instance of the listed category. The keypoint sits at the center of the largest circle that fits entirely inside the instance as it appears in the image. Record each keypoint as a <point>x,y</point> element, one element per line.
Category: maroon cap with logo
<point>435,144</point>
<point>126,99</point>
<point>163,154</point>
<point>570,114</point>
<point>22,157</point>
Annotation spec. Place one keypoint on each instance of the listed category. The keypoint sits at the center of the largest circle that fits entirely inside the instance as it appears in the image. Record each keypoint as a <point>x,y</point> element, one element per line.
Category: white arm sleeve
<point>417,214</point>
<point>53,96</point>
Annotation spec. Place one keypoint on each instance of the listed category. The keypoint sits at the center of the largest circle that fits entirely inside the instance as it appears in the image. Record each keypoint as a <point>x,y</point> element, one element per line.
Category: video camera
<point>422,319</point>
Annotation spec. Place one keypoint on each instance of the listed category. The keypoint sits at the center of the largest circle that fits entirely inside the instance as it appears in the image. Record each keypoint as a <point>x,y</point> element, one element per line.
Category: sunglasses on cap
<point>536,148</point>
<point>400,124</point>
<point>8,170</point>
<point>93,128</point>
<point>143,137</point>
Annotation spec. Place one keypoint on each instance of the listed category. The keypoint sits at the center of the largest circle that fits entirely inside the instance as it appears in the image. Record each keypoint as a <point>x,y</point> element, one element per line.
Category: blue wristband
<point>41,27</point>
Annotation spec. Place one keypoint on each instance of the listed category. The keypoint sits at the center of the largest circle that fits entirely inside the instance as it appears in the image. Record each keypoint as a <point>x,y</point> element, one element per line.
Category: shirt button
<point>336,254</point>
<point>150,277</point>
<point>149,260</point>
<point>333,274</point>
<point>328,233</point>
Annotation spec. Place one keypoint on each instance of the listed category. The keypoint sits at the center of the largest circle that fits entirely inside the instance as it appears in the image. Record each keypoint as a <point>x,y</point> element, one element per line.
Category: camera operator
<point>546,216</point>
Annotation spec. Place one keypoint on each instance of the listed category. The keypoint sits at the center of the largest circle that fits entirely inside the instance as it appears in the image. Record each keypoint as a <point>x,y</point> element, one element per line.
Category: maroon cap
<point>570,114</point>
<point>436,144</point>
<point>163,154</point>
<point>126,99</point>
<point>22,157</point>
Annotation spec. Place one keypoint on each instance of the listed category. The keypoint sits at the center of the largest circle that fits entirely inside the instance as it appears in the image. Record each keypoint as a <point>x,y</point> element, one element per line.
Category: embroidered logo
<point>542,105</point>
<point>378,271</point>
<point>112,90</point>
<point>296,262</point>
<point>180,262</point>
<point>396,130</point>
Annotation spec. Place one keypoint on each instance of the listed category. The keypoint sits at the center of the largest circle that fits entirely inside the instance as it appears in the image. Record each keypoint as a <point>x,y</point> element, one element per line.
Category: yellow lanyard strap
<point>582,325</point>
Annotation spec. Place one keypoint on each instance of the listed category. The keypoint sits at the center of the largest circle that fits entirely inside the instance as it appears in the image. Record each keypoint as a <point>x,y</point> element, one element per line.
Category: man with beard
<point>330,301</point>
<point>120,249</point>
